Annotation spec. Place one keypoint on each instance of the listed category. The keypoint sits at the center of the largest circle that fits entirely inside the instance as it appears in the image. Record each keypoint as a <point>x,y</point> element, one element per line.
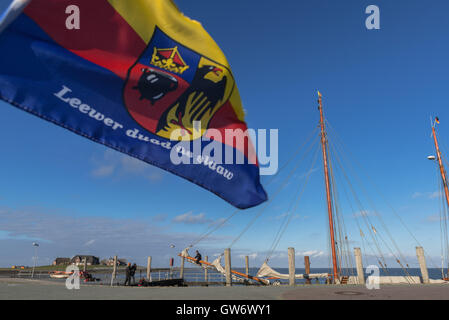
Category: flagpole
<point>328,191</point>
<point>12,12</point>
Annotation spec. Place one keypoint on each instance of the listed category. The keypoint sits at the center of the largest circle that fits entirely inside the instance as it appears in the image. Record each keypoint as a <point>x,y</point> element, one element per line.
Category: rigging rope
<point>386,201</point>
<point>266,205</point>
<point>341,227</point>
<point>223,222</point>
<point>383,240</point>
<point>443,224</point>
<point>291,210</point>
<point>361,209</point>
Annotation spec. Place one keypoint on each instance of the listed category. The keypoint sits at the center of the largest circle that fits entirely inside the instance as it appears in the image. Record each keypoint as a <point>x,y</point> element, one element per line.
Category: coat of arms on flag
<point>170,86</point>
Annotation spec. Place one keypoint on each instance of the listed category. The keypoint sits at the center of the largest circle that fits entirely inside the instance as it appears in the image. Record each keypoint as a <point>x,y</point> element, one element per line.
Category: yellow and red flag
<point>134,75</point>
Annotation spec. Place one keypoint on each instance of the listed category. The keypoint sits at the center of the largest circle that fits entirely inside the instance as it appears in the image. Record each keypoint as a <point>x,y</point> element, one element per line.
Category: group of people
<point>130,272</point>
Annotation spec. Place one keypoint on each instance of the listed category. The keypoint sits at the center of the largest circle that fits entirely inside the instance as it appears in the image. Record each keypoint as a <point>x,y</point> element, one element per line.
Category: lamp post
<point>35,245</point>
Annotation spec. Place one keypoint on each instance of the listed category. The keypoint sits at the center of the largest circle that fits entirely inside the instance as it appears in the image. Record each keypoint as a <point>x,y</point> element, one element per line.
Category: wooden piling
<point>247,265</point>
<point>307,267</point>
<point>422,264</point>
<point>181,269</point>
<point>291,266</point>
<point>149,269</point>
<point>85,264</point>
<point>114,271</point>
<point>206,276</point>
<point>359,265</point>
<point>228,267</point>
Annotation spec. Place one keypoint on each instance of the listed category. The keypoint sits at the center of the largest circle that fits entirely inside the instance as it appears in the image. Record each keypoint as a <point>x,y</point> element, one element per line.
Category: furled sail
<point>217,264</point>
<point>266,271</point>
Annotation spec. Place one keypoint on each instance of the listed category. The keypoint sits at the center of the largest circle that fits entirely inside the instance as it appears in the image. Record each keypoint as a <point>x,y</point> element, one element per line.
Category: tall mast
<point>328,188</point>
<point>440,162</point>
<point>444,178</point>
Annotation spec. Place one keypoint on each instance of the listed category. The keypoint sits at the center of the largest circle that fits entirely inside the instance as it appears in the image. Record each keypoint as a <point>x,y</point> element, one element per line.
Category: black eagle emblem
<point>197,102</point>
<point>154,85</point>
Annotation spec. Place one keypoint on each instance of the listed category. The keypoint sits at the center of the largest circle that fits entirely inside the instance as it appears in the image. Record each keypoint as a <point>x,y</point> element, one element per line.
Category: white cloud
<point>59,236</point>
<point>436,194</point>
<point>115,163</point>
<point>89,243</point>
<point>435,218</point>
<point>159,217</point>
<point>103,171</point>
<point>310,253</point>
<point>190,218</point>
<point>251,256</point>
<point>428,195</point>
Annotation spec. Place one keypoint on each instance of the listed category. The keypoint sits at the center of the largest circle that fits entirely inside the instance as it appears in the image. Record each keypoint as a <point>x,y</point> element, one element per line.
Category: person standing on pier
<point>132,272</point>
<point>128,274</point>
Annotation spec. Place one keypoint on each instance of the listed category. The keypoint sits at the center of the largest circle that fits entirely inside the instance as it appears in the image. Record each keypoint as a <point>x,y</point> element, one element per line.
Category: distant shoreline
<point>90,269</point>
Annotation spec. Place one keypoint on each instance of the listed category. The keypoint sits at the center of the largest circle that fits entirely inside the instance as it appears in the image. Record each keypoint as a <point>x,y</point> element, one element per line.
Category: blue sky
<point>380,87</point>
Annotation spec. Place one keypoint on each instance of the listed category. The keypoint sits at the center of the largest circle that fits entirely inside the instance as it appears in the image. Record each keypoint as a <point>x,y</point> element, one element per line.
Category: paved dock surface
<point>24,289</point>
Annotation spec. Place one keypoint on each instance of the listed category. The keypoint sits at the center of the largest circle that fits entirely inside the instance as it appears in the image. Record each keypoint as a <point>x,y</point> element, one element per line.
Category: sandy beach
<point>25,289</point>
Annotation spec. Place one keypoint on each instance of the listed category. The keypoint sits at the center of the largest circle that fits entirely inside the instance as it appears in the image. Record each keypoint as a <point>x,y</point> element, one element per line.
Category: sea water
<point>195,276</point>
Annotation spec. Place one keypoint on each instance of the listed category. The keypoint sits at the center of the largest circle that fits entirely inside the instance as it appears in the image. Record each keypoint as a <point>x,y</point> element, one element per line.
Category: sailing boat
<point>342,269</point>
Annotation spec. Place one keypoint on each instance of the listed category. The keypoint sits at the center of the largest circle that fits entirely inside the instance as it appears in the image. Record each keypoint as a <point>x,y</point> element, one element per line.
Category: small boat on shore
<point>60,274</point>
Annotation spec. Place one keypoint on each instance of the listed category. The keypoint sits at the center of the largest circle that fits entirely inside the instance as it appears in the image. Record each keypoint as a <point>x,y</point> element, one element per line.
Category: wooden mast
<point>440,162</point>
<point>442,170</point>
<point>328,188</point>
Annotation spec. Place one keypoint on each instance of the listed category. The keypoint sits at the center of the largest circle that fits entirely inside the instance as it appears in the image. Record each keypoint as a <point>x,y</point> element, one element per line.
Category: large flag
<point>139,77</point>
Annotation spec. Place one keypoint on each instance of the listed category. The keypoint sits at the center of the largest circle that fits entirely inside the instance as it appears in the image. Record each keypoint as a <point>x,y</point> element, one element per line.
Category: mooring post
<point>114,271</point>
<point>291,266</point>
<point>149,269</point>
<point>422,264</point>
<point>247,265</point>
<point>307,267</point>
<point>359,265</point>
<point>206,277</point>
<point>228,267</point>
<point>85,264</point>
<point>172,262</point>
<point>181,271</point>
